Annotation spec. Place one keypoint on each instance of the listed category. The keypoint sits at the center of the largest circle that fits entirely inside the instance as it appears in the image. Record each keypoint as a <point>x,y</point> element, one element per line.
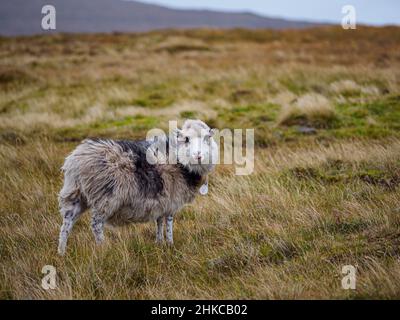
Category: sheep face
<point>196,148</point>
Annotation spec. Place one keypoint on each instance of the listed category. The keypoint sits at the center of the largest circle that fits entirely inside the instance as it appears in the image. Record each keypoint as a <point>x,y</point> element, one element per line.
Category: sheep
<point>115,180</point>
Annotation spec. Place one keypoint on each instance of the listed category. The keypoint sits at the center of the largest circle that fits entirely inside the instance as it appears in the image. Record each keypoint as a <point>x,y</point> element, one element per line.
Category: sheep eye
<point>186,139</point>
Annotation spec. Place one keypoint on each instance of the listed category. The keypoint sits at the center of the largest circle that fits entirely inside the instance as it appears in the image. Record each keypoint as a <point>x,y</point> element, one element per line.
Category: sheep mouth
<point>198,161</point>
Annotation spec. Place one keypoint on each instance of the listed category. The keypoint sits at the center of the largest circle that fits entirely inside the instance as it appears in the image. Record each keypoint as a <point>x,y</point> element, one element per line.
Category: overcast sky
<point>375,12</point>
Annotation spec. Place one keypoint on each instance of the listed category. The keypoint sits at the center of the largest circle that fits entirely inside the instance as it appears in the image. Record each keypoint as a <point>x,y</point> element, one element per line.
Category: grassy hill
<point>325,105</point>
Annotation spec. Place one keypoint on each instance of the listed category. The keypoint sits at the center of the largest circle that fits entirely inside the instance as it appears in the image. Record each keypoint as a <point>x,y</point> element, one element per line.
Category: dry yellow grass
<point>315,203</point>
<point>313,109</point>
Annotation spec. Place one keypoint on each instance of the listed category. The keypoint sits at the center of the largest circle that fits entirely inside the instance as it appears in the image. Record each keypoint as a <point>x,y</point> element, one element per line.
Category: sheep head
<point>196,147</point>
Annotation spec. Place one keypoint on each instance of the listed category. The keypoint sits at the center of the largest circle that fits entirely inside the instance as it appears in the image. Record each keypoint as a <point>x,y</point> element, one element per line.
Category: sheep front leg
<point>170,226</point>
<point>160,230</point>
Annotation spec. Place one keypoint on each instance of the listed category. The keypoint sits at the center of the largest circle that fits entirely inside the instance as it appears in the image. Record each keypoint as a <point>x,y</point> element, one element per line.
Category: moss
<point>385,112</point>
<point>336,171</point>
<point>188,114</point>
<point>138,123</point>
<point>259,117</point>
<point>248,116</point>
<point>120,128</point>
<point>75,134</point>
<point>155,96</point>
<point>317,121</point>
<point>158,99</point>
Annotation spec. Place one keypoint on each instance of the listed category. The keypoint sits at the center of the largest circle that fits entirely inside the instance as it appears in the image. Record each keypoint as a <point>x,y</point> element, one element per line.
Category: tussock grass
<point>316,201</point>
<point>349,87</point>
<point>310,109</point>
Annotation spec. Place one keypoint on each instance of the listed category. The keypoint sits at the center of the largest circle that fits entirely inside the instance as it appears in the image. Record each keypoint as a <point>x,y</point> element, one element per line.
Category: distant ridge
<point>23,17</point>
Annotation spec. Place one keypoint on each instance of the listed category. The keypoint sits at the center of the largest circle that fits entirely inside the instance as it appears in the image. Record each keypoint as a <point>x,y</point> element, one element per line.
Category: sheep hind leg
<point>70,212</point>
<point>97,225</point>
<point>170,227</point>
<point>160,230</point>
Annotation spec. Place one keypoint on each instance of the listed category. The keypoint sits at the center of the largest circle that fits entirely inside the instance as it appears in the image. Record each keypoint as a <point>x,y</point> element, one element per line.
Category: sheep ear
<point>177,133</point>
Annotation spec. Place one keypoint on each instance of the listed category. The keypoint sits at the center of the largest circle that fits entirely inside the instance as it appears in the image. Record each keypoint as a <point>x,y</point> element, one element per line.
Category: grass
<point>311,109</point>
<point>319,199</point>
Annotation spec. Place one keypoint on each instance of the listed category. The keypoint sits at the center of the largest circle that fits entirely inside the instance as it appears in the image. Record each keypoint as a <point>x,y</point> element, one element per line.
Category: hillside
<point>21,17</point>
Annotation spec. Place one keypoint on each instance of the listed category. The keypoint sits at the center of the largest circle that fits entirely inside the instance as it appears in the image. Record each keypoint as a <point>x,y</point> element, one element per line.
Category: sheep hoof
<point>100,243</point>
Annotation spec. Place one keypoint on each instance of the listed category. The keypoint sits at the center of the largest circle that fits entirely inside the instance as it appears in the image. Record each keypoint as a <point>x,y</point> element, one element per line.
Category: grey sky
<point>375,12</point>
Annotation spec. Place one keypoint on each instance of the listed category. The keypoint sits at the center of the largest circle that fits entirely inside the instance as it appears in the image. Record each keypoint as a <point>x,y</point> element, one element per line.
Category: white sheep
<point>118,183</point>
